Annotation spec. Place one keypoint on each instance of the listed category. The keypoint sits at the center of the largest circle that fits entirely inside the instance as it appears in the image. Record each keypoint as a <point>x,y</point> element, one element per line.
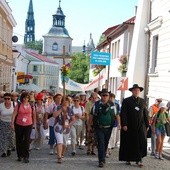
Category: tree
<point>102,38</point>
<point>80,65</point>
<point>36,45</point>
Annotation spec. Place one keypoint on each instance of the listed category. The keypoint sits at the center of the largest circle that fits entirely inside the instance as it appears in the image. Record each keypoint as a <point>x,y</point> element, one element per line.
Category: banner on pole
<point>122,83</point>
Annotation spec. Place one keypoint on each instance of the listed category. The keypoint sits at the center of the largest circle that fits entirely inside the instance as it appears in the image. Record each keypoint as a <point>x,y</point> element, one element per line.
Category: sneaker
<point>160,157</point>
<point>59,160</point>
<point>93,153</point>
<point>51,152</point>
<point>4,155</point>
<point>107,155</point>
<point>101,164</point>
<point>19,159</point>
<point>152,154</point>
<point>26,160</point>
<point>80,147</point>
<point>73,153</point>
<point>157,156</point>
<point>8,152</point>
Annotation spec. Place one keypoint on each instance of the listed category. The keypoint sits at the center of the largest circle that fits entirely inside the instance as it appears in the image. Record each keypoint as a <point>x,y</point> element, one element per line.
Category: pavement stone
<point>41,160</point>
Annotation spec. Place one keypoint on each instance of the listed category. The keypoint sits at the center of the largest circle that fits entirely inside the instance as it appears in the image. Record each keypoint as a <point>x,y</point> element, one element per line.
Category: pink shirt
<point>24,116</point>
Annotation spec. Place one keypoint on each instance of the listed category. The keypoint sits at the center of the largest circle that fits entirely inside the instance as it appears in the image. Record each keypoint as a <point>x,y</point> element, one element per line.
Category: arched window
<point>55,46</point>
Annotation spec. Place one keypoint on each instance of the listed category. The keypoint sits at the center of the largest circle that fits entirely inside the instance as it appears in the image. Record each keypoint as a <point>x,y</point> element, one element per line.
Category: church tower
<point>90,45</point>
<point>30,25</point>
<point>56,38</point>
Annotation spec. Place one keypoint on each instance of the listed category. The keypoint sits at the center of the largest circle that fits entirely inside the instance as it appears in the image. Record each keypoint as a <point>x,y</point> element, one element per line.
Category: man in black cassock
<point>134,123</point>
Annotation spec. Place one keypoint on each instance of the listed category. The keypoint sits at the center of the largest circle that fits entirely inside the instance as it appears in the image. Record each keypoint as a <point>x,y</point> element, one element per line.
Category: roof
<point>41,57</point>
<point>109,30</point>
<point>115,29</point>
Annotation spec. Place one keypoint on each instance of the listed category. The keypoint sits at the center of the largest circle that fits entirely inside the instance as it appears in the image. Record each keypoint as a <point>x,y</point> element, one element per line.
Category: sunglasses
<point>105,95</point>
<point>6,98</point>
<point>76,100</point>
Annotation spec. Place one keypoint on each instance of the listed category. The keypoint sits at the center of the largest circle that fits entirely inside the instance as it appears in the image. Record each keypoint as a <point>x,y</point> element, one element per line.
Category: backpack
<point>103,116</point>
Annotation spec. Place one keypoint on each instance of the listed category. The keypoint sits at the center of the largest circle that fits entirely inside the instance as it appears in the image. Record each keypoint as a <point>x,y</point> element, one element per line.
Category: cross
<point>64,84</point>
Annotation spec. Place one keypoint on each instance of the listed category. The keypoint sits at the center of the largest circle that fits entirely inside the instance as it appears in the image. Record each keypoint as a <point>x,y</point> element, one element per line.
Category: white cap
<point>162,105</point>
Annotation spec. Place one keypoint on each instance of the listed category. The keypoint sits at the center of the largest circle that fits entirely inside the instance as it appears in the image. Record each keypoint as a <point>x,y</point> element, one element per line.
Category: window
<point>55,46</point>
<point>34,81</point>
<point>35,68</point>
<point>154,54</point>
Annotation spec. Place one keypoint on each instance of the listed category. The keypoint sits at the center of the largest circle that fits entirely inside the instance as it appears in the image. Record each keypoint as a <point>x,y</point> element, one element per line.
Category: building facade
<point>118,40</point>
<point>7,22</point>
<point>56,38</point>
<point>44,72</point>
<point>159,50</point>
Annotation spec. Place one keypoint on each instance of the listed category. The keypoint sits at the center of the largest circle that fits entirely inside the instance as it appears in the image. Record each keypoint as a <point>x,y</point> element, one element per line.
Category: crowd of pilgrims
<point>27,119</point>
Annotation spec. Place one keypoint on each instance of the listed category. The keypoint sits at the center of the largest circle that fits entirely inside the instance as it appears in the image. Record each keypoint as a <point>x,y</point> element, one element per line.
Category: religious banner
<point>74,86</point>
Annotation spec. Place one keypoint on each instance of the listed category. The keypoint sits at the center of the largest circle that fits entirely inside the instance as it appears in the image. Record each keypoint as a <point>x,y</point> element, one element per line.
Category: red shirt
<point>24,116</point>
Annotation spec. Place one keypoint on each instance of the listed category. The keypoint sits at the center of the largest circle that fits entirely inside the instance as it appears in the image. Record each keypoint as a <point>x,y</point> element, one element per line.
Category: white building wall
<point>159,82</point>
<point>137,60</point>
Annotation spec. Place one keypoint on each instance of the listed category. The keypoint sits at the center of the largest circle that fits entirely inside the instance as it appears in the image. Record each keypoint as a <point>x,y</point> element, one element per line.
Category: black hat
<point>136,86</point>
<point>104,91</point>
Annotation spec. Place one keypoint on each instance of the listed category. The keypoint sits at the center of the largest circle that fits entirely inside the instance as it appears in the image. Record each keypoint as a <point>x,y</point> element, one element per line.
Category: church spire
<point>30,25</point>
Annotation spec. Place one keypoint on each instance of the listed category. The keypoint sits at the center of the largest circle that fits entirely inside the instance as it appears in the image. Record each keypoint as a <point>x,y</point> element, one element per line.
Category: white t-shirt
<point>50,109</point>
<point>6,114</point>
<point>79,111</point>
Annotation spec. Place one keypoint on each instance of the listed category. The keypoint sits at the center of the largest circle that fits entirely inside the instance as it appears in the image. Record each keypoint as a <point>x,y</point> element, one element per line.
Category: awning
<point>27,76</point>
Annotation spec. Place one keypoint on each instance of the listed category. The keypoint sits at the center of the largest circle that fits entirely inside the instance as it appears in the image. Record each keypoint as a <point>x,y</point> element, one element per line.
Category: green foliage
<point>36,45</point>
<point>123,60</point>
<point>79,70</point>
<point>98,69</point>
<point>102,38</point>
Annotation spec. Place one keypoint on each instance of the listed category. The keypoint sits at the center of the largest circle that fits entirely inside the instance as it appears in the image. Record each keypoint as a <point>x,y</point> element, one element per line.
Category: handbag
<point>167,128</point>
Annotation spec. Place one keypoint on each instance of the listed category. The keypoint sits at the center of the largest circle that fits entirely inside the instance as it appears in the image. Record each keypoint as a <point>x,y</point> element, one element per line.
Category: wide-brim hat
<point>136,86</point>
<point>104,91</point>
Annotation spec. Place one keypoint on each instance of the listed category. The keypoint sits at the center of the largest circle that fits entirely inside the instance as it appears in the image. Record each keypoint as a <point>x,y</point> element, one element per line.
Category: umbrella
<point>30,87</point>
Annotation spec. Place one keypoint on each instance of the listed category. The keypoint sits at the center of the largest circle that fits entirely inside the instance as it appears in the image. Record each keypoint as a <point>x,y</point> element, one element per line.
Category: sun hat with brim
<point>136,86</point>
<point>162,105</point>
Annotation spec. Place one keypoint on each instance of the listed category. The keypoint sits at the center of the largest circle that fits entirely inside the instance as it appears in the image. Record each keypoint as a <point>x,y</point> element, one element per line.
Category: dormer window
<point>55,46</point>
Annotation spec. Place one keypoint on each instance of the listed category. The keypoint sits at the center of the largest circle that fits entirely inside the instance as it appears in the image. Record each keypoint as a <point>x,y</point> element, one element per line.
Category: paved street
<point>41,160</point>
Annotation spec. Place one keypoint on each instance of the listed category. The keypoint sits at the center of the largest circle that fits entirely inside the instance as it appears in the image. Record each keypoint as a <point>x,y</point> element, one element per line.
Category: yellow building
<point>7,22</point>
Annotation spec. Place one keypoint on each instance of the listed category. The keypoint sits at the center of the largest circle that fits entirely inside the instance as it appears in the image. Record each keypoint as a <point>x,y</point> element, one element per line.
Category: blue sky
<point>82,16</point>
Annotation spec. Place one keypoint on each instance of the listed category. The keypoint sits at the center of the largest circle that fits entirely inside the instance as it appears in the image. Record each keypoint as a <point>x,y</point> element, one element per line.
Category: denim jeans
<point>102,136</point>
<point>153,143</point>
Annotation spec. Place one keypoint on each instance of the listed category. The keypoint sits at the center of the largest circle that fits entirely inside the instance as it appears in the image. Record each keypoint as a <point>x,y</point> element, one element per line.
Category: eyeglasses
<point>7,98</point>
<point>105,95</point>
